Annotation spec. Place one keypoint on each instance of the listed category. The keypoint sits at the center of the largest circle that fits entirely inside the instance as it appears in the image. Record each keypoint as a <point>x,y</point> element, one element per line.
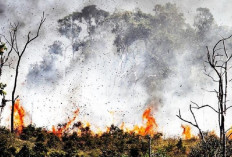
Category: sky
<point>97,82</point>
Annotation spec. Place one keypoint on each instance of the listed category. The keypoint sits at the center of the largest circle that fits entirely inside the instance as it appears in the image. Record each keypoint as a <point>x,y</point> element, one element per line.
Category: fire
<point>150,127</point>
<point>229,134</point>
<point>59,131</point>
<point>212,133</point>
<point>122,126</point>
<point>186,132</point>
<point>151,123</point>
<point>19,114</point>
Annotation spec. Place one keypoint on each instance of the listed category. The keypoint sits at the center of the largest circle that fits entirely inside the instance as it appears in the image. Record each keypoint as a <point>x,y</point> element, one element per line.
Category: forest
<point>124,71</point>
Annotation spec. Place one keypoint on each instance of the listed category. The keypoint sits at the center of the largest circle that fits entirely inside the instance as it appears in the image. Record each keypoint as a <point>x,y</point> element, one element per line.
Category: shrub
<point>24,152</point>
<point>57,154</point>
<point>169,147</point>
<point>209,148</point>
<point>12,150</point>
<point>134,152</point>
<point>53,141</point>
<point>40,138</point>
<point>40,148</point>
<point>179,144</point>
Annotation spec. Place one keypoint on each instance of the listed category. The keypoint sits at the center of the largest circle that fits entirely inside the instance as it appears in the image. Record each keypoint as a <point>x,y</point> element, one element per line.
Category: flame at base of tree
<point>186,132</point>
<point>19,114</point>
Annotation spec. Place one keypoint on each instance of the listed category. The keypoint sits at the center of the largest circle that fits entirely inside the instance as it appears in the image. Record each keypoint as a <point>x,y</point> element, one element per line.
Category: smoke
<point>2,7</point>
<point>128,60</point>
<point>119,58</point>
<point>46,72</point>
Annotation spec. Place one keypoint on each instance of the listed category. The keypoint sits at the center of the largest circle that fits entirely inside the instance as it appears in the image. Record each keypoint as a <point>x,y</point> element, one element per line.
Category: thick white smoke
<point>101,81</point>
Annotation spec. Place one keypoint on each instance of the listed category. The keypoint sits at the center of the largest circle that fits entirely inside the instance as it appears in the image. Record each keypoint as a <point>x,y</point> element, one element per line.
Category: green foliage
<point>179,144</point>
<point>28,132</point>
<point>53,141</point>
<point>169,147</point>
<point>40,149</point>
<point>161,153</point>
<point>25,151</point>
<point>209,148</point>
<point>2,87</point>
<point>40,137</point>
<point>2,48</point>
<point>41,143</point>
<point>56,153</point>
<point>3,144</point>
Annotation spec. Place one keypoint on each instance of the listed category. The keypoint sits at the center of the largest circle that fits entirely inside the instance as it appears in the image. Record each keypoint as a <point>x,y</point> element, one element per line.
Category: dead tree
<point>218,61</point>
<point>13,44</point>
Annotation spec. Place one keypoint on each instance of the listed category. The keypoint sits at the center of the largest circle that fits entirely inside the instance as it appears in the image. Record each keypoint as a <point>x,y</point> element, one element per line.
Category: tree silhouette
<point>14,47</point>
<point>218,60</point>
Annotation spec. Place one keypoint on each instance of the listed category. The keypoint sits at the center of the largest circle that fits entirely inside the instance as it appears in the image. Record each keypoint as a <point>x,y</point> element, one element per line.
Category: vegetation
<point>166,28</point>
<point>12,43</point>
<point>218,61</point>
<point>40,142</point>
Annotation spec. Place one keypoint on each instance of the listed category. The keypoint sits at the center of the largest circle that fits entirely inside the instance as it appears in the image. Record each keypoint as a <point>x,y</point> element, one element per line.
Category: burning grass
<point>116,142</point>
<point>149,126</point>
<point>76,138</point>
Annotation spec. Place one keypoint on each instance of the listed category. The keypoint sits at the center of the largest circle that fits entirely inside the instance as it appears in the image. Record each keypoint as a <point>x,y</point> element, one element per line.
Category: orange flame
<point>150,126</point>
<point>151,123</point>
<point>60,130</point>
<point>186,132</point>
<point>212,133</point>
<point>229,134</point>
<point>19,114</point>
<point>122,126</point>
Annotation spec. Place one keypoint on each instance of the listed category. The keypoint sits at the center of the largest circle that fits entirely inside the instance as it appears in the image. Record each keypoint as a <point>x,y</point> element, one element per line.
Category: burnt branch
<point>203,106</point>
<point>191,123</point>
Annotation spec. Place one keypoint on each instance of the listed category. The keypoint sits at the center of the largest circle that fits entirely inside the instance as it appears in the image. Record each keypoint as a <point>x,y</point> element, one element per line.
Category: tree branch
<point>203,106</point>
<point>195,125</point>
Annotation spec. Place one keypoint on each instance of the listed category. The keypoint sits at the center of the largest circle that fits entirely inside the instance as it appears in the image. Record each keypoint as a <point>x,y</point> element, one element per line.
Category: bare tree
<point>218,60</point>
<point>13,44</point>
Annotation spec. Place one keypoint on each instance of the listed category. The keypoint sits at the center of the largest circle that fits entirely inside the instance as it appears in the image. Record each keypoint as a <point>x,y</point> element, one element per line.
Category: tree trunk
<point>223,141</point>
<point>149,146</point>
<point>13,94</point>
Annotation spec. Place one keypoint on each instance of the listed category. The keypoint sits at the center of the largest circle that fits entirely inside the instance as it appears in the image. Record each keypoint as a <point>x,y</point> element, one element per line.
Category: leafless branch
<point>228,107</point>
<point>211,77</point>
<point>191,123</point>
<point>203,106</point>
<point>29,39</point>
